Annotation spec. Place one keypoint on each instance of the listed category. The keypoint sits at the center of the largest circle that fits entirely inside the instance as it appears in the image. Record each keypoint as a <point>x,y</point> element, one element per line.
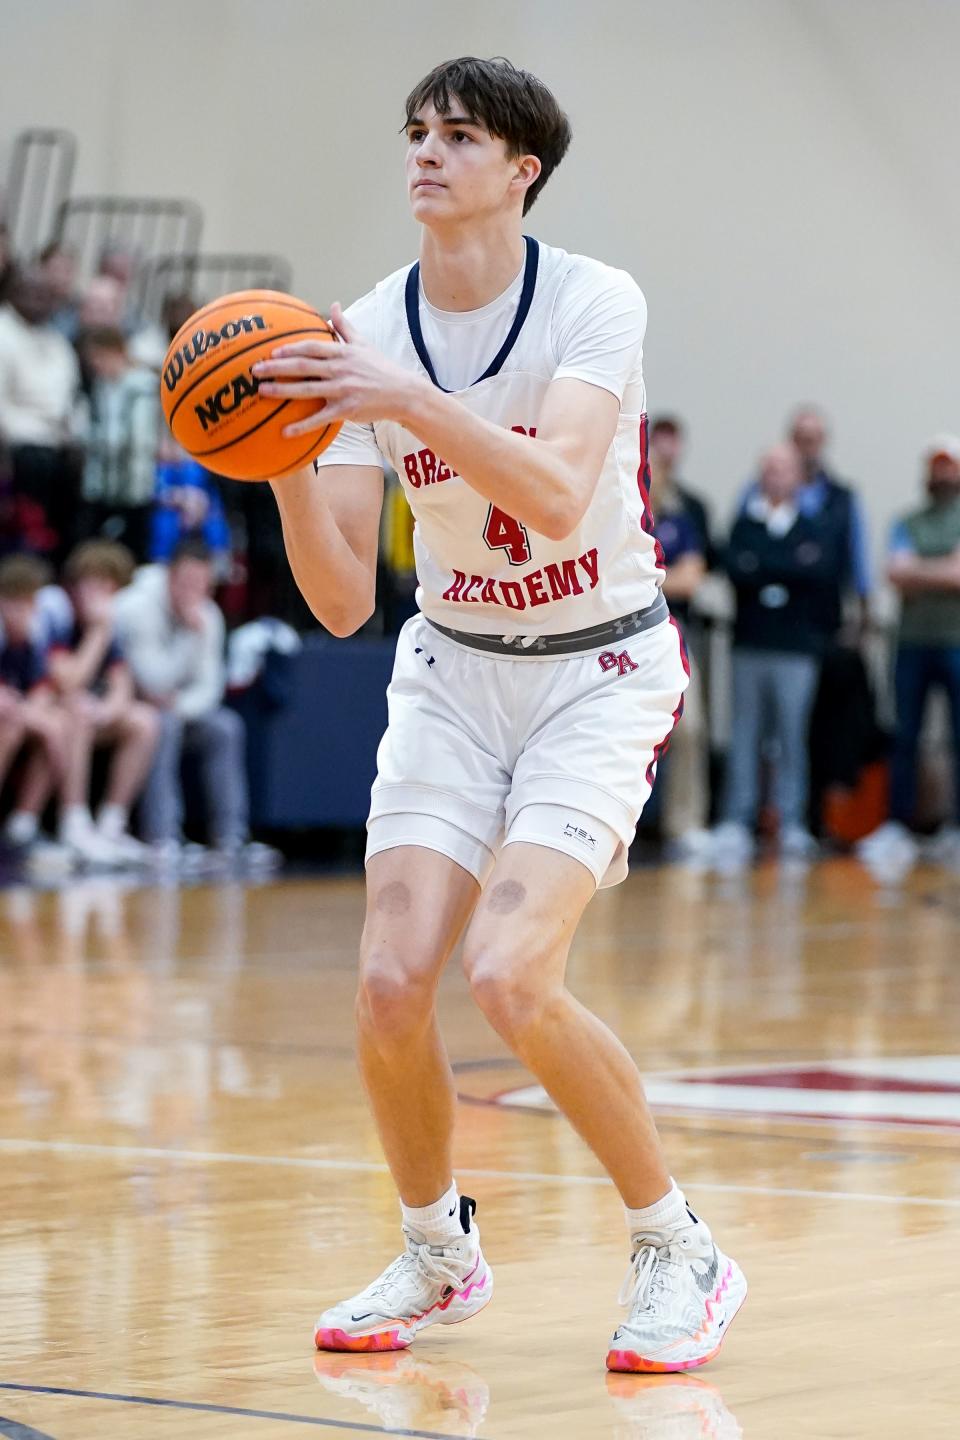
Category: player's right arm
<point>331,531</point>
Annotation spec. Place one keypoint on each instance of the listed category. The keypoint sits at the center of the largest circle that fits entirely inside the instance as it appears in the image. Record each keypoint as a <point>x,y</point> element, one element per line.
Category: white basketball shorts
<point>486,750</point>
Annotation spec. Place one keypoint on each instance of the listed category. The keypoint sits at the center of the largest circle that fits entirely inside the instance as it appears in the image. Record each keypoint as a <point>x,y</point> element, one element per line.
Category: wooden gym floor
<point>188,1173</point>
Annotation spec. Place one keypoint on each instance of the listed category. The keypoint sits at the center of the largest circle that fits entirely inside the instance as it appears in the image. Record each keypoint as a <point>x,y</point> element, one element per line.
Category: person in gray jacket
<point>173,636</point>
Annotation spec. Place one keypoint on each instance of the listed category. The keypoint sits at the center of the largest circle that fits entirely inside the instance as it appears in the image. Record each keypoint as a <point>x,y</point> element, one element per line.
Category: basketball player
<point>530,700</point>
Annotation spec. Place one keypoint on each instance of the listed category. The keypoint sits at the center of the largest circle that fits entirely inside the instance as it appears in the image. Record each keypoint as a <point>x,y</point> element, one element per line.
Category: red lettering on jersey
<point>502,532</point>
<point>474,581</point>
<point>534,584</point>
<point>489,594</point>
<point>428,462</point>
<point>522,430</point>
<point>443,471</point>
<point>459,580</point>
<point>591,564</point>
<point>412,470</point>
<point>621,663</point>
<point>562,579</point>
<point>513,595</point>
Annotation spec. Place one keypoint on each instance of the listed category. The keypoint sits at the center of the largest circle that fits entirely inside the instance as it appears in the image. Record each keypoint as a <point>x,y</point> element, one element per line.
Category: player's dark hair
<point>191,547</point>
<point>666,425</point>
<point>512,104</point>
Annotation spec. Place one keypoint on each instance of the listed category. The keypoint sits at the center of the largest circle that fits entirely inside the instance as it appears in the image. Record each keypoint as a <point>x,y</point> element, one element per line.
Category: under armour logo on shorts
<point>609,660</point>
<point>430,659</point>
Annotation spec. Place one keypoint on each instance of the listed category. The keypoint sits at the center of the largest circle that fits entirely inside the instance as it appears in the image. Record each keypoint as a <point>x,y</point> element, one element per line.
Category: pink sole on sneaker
<point>359,1344</point>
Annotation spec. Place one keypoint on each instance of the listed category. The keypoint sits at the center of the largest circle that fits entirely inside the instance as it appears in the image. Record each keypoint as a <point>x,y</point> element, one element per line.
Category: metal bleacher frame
<point>205,276</point>
<point>39,179</point>
<point>143,226</point>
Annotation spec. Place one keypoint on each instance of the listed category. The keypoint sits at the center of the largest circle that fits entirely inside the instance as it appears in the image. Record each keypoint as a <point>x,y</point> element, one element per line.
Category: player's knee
<point>511,992</point>
<point>393,999</point>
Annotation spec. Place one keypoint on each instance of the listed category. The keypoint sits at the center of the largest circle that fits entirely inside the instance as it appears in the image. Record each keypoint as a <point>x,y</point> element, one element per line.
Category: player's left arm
<point>546,483</point>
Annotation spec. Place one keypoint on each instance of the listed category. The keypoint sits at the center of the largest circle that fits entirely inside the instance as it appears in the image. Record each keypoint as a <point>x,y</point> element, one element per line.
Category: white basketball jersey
<point>478,569</point>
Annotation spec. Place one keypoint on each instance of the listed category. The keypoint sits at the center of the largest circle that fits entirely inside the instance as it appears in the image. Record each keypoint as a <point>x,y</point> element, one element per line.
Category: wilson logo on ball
<point>225,400</point>
<point>202,341</point>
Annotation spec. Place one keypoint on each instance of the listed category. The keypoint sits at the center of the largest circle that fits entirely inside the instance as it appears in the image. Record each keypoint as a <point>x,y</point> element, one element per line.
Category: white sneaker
<point>796,843</point>
<point>682,1294</point>
<point>88,847</point>
<point>733,846</point>
<point>944,847</point>
<point>129,850</point>
<point>890,842</point>
<point>426,1285</point>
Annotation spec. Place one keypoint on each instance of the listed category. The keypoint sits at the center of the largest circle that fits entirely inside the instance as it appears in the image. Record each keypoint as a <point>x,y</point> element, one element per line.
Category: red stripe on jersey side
<point>660,750</point>
<point>643,476</point>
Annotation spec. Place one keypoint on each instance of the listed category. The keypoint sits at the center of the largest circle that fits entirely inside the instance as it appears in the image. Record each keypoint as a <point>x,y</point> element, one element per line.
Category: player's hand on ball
<point>353,380</point>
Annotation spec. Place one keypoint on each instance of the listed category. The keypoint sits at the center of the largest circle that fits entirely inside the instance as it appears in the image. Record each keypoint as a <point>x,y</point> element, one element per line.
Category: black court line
<point>197,1405</point>
<point>13,1430</point>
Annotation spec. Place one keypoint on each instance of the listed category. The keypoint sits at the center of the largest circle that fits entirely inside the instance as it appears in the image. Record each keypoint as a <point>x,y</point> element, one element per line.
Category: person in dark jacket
<point>782,561</point>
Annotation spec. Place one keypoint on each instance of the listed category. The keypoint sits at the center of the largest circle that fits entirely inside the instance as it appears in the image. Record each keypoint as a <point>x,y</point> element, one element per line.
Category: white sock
<point>22,827</point>
<point>75,821</point>
<point>669,1212</point>
<point>112,820</point>
<point>438,1224</point>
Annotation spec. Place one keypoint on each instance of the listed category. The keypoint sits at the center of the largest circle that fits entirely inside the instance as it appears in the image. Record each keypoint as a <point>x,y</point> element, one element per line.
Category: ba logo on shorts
<point>622,662</point>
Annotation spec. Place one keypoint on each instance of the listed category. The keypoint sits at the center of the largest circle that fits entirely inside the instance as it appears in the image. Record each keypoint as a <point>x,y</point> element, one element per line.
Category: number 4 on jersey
<point>502,532</point>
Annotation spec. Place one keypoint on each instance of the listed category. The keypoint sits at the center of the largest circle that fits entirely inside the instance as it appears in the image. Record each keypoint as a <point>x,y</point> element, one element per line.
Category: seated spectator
<point>188,506</point>
<point>924,566</point>
<point>781,562</point>
<point>173,636</point>
<point>119,473</point>
<point>149,344</point>
<point>682,528</point>
<point>29,717</point>
<point>95,686</point>
<point>39,384</point>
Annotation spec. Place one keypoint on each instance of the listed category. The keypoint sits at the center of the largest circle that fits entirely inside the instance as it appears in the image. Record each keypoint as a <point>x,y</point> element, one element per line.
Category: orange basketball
<point>209,392</point>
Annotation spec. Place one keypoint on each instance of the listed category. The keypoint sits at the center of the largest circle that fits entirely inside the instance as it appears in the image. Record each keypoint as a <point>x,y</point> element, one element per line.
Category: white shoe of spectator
<point>693,847</point>
<point>733,846</point>
<point>82,838</point>
<point>944,847</point>
<point>46,861</point>
<point>796,843</point>
<point>129,850</point>
<point>112,825</point>
<point>892,843</point>
<point>251,855</point>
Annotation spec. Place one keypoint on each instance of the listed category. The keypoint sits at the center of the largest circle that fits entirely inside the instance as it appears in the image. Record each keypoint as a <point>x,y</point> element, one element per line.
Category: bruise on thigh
<point>393,898</point>
<point>505,897</point>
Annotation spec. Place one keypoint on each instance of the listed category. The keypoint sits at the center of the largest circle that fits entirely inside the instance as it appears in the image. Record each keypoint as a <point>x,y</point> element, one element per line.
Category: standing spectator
<point>924,566</point>
<point>842,679</point>
<point>6,262</point>
<point>39,383</point>
<point>173,635</point>
<point>29,718</point>
<point>59,268</point>
<point>682,528</point>
<point>95,685</point>
<point>781,560</point>
<point>119,473</point>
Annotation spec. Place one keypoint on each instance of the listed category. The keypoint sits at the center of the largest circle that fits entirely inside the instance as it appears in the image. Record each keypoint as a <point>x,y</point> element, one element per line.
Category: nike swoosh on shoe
<point>707,1279</point>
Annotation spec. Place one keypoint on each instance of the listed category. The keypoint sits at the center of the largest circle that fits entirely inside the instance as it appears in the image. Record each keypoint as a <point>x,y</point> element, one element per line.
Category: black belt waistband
<point>597,637</point>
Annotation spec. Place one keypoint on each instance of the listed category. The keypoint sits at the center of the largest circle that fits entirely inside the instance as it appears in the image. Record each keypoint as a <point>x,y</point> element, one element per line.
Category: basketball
<point>209,392</point>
